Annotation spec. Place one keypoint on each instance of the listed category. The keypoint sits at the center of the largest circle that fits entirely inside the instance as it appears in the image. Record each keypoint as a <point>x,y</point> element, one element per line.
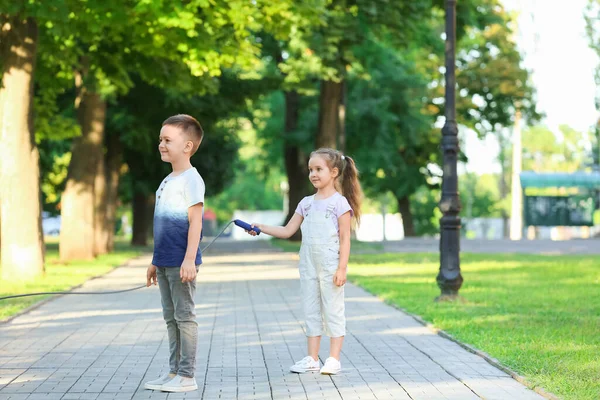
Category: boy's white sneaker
<point>157,383</point>
<point>331,367</point>
<point>180,384</point>
<point>305,365</point>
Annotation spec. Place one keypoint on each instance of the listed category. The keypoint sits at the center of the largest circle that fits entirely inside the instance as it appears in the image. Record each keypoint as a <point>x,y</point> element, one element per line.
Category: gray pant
<point>180,315</point>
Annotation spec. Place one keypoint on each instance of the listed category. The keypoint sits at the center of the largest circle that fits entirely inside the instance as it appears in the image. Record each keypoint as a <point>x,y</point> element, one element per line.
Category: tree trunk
<point>101,207</point>
<point>22,244</point>
<point>342,117</point>
<point>329,114</point>
<point>79,202</point>
<point>502,185</point>
<point>407,218</point>
<point>143,208</point>
<point>503,194</point>
<point>295,160</point>
<point>114,160</point>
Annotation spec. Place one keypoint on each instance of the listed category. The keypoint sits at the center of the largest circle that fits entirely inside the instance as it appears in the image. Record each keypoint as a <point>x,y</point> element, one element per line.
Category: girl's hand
<point>252,233</point>
<point>339,278</point>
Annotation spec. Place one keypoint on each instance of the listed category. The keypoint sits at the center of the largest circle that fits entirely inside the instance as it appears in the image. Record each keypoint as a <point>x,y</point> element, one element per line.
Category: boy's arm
<point>188,268</point>
<point>282,232</point>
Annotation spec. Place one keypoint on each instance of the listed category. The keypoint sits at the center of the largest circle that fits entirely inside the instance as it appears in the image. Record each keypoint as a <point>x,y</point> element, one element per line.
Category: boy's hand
<point>340,277</point>
<point>252,233</point>
<point>187,272</point>
<point>151,276</point>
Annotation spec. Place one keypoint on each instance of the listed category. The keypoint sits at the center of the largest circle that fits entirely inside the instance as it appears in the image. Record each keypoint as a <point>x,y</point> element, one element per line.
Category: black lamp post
<point>449,278</point>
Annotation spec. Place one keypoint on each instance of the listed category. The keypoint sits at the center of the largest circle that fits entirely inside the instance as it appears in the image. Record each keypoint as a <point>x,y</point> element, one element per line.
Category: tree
<point>388,129</point>
<point>321,50</point>
<point>159,42</point>
<point>350,24</point>
<point>492,84</point>
<point>22,252</point>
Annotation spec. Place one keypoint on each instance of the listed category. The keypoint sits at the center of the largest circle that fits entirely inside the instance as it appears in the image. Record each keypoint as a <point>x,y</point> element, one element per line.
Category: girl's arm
<point>281,232</point>
<point>344,223</point>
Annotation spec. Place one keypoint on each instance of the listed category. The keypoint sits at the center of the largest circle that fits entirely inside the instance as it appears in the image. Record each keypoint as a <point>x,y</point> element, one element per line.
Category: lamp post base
<point>450,298</point>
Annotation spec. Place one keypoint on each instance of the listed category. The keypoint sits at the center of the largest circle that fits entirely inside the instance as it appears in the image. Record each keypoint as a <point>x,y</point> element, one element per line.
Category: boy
<point>177,230</point>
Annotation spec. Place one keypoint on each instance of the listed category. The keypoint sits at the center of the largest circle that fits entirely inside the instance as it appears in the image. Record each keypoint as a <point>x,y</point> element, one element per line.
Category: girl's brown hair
<point>347,177</point>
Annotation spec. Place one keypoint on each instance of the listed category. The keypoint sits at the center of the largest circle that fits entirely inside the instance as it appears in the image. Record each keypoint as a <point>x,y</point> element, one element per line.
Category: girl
<point>325,219</point>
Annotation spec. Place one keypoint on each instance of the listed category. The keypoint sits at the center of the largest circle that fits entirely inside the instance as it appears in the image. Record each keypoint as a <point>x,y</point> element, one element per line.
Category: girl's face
<point>319,173</point>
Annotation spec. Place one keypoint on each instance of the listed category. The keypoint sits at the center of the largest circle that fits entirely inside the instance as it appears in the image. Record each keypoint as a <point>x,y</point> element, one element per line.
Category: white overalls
<point>322,300</point>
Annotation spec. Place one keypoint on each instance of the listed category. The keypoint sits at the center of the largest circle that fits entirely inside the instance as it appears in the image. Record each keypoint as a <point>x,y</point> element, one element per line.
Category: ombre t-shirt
<point>171,224</point>
<point>341,206</point>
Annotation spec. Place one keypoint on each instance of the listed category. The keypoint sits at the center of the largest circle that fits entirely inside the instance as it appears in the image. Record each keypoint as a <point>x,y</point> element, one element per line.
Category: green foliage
<point>137,119</point>
<point>55,126</point>
<point>543,151</point>
<point>227,63</point>
<point>388,132</point>
<point>480,196</point>
<point>491,83</point>
<point>426,214</point>
<point>247,191</point>
<point>55,157</point>
<point>258,176</point>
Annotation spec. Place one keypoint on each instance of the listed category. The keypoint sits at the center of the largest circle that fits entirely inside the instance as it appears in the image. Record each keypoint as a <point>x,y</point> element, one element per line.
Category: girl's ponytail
<point>351,186</point>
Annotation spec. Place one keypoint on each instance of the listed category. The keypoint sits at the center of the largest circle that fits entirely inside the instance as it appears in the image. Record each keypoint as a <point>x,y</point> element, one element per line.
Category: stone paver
<point>250,332</point>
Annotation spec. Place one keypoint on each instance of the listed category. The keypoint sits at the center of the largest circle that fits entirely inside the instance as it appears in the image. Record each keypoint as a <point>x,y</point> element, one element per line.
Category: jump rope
<point>238,222</point>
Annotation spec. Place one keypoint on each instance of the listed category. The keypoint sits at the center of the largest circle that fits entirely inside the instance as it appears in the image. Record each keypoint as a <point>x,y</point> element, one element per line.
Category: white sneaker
<point>331,367</point>
<point>180,384</point>
<point>157,383</point>
<point>305,365</point>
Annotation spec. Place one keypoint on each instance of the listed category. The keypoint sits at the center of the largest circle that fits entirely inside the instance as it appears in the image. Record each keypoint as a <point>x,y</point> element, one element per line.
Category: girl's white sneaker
<point>305,365</point>
<point>331,367</point>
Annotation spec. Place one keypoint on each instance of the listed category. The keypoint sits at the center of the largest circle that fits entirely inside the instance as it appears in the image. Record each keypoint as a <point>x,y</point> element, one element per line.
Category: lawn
<point>61,277</point>
<point>538,315</point>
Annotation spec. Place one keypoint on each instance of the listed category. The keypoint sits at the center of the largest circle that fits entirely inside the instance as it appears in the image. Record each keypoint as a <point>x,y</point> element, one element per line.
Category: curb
<point>56,296</point>
<point>491,360</point>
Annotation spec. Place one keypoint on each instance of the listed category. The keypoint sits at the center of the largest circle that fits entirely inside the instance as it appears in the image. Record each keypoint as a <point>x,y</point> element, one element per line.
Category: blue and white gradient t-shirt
<point>171,224</point>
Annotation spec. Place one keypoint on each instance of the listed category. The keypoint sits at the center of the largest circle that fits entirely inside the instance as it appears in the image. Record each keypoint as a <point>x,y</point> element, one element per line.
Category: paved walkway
<point>105,347</point>
<point>538,246</point>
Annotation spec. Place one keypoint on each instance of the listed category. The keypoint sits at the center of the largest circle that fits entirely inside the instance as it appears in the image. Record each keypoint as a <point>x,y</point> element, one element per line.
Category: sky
<point>552,39</point>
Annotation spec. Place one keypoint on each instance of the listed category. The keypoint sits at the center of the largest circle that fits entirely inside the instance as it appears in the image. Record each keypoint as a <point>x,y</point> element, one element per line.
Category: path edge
<point>48,299</point>
<point>491,360</point>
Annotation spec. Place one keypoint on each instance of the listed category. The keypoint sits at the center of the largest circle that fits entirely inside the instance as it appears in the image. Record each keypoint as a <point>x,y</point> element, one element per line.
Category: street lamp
<point>449,278</point>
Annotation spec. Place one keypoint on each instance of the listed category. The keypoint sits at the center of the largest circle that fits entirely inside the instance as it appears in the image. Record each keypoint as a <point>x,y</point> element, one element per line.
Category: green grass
<point>538,315</point>
<point>61,277</point>
<point>357,247</point>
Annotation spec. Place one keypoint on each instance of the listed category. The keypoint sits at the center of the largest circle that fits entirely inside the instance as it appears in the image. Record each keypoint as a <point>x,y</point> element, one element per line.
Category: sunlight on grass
<point>539,315</point>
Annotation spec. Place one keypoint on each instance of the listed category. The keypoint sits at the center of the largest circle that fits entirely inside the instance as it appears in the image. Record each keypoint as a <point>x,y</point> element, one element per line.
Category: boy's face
<point>173,144</point>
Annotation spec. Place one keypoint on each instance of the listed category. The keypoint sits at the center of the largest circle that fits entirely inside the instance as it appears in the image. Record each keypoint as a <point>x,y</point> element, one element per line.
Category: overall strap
<point>310,203</point>
<point>330,207</point>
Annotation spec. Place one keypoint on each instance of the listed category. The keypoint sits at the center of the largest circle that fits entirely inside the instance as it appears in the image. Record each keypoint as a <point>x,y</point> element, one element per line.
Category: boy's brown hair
<point>189,126</point>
